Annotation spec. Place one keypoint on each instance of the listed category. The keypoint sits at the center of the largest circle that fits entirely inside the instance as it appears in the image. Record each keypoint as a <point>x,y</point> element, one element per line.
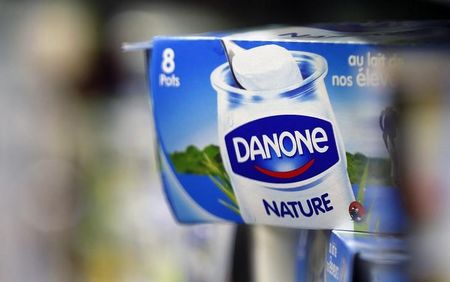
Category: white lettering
<point>312,141</point>
<point>305,140</point>
<point>256,148</point>
<point>323,138</point>
<point>288,153</point>
<point>241,158</point>
<point>273,144</point>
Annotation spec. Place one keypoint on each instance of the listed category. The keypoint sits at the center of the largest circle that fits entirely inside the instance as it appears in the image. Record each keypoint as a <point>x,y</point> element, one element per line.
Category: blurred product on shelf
<point>351,256</point>
<point>347,256</point>
<point>357,256</point>
<point>81,198</point>
<point>422,87</point>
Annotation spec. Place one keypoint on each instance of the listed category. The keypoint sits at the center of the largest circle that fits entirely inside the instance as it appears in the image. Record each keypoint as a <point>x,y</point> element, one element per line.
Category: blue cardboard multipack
<point>280,126</point>
<point>357,256</point>
<point>351,256</point>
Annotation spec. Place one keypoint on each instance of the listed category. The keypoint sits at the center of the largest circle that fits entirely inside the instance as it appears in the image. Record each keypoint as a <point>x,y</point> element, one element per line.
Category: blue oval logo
<point>282,149</point>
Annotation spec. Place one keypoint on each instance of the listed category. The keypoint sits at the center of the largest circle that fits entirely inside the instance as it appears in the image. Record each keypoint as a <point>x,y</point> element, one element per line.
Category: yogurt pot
<point>283,151</point>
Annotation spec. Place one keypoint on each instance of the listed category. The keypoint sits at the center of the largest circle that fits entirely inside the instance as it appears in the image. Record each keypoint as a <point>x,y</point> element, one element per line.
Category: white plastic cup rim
<point>219,83</point>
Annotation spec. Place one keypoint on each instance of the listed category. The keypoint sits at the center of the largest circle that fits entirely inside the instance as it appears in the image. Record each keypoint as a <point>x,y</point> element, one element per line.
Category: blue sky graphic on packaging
<point>309,155</point>
<point>356,256</point>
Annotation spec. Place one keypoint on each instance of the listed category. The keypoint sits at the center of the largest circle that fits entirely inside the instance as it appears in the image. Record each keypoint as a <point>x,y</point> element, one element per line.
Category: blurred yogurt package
<point>283,126</point>
<point>357,256</point>
<point>351,256</point>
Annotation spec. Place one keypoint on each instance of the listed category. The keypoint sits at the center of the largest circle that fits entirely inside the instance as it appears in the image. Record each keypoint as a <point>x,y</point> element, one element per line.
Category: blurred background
<point>80,196</point>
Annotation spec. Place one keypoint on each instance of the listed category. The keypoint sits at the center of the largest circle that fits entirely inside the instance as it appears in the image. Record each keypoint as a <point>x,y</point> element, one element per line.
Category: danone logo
<point>282,149</point>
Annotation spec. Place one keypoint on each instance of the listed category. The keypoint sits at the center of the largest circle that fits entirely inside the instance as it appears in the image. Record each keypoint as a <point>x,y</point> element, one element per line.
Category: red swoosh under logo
<point>286,174</point>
